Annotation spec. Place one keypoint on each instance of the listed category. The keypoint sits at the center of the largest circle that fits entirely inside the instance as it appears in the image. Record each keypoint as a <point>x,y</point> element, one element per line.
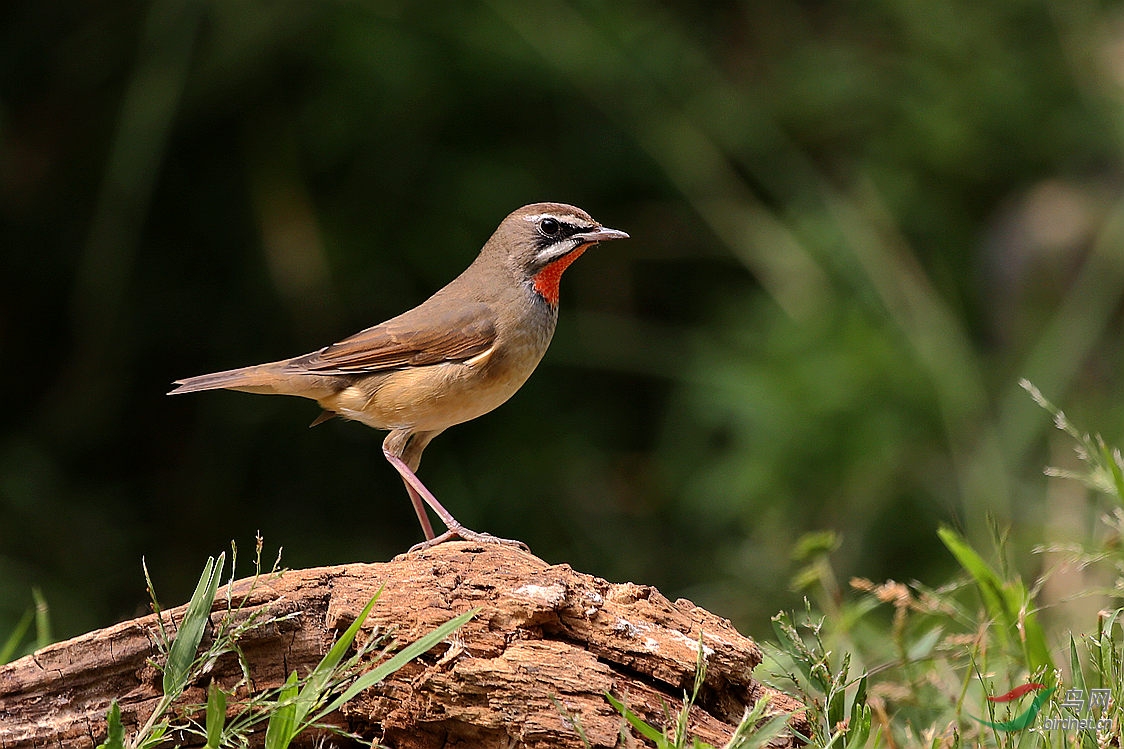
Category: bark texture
<point>546,636</point>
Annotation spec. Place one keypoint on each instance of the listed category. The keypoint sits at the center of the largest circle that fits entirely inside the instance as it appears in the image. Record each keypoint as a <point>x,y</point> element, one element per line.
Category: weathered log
<point>546,638</point>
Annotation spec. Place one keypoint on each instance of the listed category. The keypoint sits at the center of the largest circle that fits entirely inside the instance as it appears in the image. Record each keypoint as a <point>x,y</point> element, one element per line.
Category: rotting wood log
<point>546,638</point>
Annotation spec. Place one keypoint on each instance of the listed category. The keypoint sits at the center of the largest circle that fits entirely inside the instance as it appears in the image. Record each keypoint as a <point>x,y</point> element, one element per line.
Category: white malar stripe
<point>557,249</point>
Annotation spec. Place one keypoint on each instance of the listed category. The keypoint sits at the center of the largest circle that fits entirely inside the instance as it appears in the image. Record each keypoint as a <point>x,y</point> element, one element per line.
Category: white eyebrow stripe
<point>571,220</point>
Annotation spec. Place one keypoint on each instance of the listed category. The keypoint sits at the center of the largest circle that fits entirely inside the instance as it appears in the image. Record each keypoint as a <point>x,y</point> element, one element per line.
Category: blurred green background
<point>854,227</point>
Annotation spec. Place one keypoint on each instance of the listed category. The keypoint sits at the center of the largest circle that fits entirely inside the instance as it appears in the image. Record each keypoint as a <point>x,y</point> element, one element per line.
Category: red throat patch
<point>546,280</point>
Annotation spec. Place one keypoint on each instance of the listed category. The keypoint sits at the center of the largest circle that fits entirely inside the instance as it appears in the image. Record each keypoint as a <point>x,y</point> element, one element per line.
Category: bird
<point>456,356</point>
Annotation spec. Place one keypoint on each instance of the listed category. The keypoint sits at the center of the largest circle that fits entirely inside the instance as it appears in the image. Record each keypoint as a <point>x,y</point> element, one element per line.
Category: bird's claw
<point>464,534</point>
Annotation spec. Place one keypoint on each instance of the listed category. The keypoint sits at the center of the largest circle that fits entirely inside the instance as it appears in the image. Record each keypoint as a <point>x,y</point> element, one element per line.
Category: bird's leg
<point>419,508</point>
<point>416,488</point>
<point>456,530</point>
<point>403,451</point>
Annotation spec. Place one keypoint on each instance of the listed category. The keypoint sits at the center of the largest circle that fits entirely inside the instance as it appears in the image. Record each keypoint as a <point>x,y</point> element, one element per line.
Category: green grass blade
<point>282,727</point>
<point>989,583</point>
<point>836,704</point>
<point>791,644</point>
<point>645,730</point>
<point>1024,612</point>
<point>397,661</point>
<point>182,652</point>
<point>1034,638</point>
<point>318,682</point>
<point>1108,457</point>
<point>155,605</point>
<point>858,726</point>
<point>12,644</point>
<point>115,736</point>
<point>43,636</point>
<point>749,735</point>
<point>1077,676</point>
<point>1107,661</point>
<point>858,730</point>
<point>760,736</point>
<point>155,737</point>
<point>1008,604</point>
<point>216,715</point>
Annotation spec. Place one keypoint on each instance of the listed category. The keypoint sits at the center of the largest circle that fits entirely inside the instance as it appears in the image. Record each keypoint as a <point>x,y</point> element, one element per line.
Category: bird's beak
<point>601,234</point>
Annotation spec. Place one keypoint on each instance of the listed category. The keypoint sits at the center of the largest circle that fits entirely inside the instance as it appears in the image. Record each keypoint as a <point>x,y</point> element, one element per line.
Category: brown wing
<point>431,335</point>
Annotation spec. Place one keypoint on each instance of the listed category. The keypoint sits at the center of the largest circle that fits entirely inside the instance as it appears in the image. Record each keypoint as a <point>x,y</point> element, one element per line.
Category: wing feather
<point>439,333</point>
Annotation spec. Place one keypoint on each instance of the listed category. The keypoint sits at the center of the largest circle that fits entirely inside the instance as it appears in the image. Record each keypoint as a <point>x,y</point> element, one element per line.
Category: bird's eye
<point>549,227</point>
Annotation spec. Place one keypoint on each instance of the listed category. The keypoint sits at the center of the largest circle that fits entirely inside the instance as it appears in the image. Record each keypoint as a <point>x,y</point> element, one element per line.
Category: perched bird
<point>454,357</point>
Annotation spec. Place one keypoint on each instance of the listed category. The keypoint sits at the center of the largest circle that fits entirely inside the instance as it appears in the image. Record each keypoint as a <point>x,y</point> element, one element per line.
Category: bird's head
<point>539,241</point>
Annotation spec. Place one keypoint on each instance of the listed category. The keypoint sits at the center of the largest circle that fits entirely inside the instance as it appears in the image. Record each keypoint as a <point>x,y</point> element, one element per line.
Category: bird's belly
<point>429,398</point>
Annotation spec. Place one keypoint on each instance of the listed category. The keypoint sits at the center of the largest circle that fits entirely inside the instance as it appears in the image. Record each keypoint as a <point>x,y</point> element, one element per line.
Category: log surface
<point>546,636</point>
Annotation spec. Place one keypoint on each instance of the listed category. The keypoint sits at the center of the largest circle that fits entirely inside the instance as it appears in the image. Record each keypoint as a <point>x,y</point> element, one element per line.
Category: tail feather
<point>275,378</point>
<point>256,379</point>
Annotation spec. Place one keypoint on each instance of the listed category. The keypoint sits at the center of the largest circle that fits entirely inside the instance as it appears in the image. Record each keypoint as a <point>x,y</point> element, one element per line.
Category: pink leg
<point>414,485</point>
<point>419,508</point>
<point>456,530</point>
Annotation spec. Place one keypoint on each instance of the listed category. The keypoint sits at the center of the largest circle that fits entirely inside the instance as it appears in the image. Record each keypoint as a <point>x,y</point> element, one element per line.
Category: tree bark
<point>546,638</point>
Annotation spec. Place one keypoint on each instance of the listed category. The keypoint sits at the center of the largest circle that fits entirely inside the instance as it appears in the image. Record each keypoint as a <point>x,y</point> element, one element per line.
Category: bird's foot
<point>465,534</point>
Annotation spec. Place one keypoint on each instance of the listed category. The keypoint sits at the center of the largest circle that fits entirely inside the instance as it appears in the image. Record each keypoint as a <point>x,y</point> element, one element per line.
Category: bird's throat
<point>546,280</point>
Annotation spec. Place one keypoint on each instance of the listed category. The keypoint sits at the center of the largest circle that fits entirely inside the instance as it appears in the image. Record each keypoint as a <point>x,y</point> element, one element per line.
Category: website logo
<point>1081,719</point>
<point>1075,701</point>
<point>1026,718</point>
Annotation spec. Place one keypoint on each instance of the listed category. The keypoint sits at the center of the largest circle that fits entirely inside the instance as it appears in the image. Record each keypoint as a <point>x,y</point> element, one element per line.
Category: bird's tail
<point>261,378</point>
